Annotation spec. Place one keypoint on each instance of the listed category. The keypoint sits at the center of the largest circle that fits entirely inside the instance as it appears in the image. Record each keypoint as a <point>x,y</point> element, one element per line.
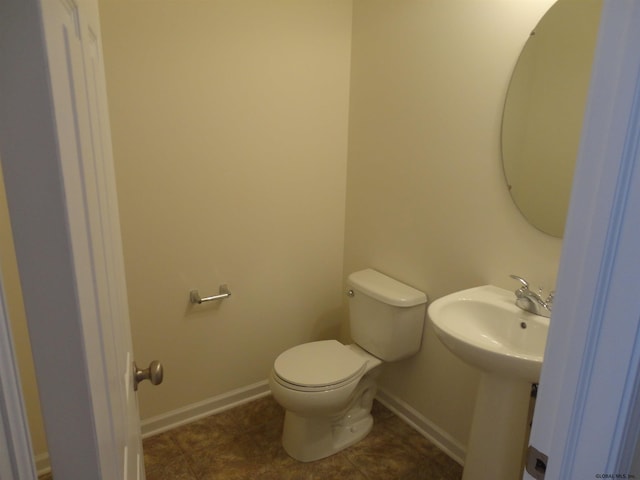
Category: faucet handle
<point>525,284</point>
<point>552,295</point>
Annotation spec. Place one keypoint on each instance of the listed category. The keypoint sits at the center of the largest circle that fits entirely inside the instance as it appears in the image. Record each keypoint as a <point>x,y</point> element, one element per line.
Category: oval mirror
<point>544,109</point>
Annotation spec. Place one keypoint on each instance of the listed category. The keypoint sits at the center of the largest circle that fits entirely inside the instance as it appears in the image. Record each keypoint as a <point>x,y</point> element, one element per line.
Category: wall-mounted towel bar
<point>194,296</point>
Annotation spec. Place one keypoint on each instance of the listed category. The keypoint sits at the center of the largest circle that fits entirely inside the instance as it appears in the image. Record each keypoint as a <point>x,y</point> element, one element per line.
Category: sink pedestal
<point>498,430</point>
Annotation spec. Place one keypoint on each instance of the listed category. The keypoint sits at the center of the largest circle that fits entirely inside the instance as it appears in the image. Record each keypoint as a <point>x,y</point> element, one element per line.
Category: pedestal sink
<point>484,328</point>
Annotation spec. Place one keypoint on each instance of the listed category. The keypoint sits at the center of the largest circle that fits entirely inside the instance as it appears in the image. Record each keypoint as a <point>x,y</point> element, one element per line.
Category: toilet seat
<point>321,365</point>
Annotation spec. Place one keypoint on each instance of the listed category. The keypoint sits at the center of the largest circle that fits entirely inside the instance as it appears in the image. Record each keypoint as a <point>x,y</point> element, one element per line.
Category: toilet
<point>327,388</point>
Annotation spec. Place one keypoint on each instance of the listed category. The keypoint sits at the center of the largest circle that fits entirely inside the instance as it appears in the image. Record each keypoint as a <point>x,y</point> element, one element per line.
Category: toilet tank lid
<point>385,289</point>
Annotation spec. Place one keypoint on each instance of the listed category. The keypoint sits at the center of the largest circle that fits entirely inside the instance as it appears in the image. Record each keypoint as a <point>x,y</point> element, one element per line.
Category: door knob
<point>153,374</point>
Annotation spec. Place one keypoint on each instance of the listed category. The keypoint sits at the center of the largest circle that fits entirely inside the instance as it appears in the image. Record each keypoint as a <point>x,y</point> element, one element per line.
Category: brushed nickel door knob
<point>153,373</point>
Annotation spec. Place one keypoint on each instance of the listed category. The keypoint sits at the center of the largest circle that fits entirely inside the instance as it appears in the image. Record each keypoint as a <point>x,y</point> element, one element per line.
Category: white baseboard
<point>435,434</point>
<point>210,406</point>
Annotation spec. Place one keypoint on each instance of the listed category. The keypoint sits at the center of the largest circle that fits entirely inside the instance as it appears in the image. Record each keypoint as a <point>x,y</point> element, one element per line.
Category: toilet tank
<point>386,316</point>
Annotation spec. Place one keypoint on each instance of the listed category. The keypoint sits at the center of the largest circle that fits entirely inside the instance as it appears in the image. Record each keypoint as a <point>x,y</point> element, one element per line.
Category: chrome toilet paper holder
<point>194,295</point>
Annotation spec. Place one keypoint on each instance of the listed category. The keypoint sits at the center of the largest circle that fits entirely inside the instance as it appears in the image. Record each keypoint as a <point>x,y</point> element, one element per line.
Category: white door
<point>588,409</point>
<point>57,163</point>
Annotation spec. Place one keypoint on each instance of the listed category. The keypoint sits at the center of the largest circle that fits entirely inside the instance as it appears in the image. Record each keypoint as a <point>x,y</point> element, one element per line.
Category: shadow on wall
<point>330,325</point>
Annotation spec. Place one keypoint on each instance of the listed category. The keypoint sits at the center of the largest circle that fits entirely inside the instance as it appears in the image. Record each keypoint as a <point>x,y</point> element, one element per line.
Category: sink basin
<point>483,327</point>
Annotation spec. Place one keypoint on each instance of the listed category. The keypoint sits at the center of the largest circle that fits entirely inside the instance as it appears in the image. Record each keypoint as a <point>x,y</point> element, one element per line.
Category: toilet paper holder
<point>195,297</point>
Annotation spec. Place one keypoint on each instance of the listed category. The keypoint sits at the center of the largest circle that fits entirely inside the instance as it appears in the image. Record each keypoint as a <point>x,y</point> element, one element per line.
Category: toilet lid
<point>326,362</point>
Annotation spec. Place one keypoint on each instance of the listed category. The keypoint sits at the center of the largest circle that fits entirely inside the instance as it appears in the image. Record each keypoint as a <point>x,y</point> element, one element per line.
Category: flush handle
<point>153,373</point>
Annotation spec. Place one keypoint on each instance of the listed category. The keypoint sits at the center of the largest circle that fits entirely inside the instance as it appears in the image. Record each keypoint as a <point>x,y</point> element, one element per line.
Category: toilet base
<point>311,438</point>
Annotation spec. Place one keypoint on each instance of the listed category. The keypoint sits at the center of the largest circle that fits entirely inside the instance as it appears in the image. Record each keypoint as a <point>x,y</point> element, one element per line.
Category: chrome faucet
<point>532,301</point>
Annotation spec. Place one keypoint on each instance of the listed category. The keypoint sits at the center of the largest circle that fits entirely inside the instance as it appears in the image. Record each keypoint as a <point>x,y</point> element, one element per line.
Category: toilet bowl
<point>327,409</point>
<point>327,388</point>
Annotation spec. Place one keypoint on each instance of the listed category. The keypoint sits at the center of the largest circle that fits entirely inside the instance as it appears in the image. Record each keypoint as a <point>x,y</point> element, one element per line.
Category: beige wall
<point>426,197</point>
<point>229,123</point>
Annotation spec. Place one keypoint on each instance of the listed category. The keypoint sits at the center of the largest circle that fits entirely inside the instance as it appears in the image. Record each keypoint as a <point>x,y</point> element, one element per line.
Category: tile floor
<point>244,443</point>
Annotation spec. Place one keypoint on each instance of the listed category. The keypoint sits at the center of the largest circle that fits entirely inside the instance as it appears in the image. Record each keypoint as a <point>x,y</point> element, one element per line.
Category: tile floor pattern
<point>244,444</point>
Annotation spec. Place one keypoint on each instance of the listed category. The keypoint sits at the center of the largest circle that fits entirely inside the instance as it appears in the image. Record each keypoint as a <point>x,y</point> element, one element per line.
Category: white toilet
<point>327,388</point>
